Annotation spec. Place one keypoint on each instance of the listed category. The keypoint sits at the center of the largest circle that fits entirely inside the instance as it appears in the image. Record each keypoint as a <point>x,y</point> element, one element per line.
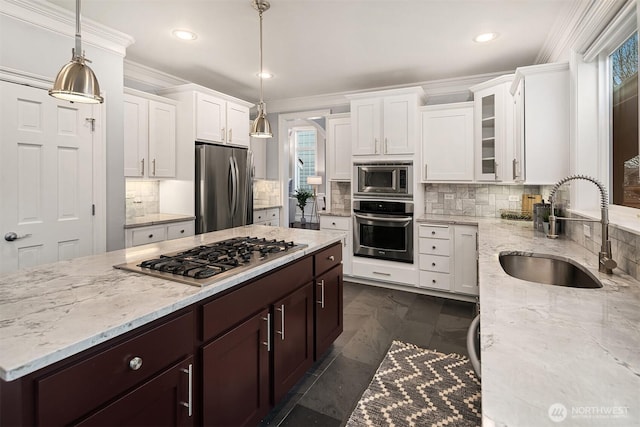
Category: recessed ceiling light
<point>265,75</point>
<point>184,34</point>
<point>486,37</point>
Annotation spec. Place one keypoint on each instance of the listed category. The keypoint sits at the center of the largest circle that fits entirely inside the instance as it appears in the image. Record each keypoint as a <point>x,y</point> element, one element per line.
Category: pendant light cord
<point>78,52</point>
<point>261,76</point>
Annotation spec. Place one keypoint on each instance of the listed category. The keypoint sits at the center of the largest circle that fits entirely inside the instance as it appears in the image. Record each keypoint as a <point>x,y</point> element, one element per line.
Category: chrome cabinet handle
<point>281,310</point>
<point>375,145</point>
<point>189,403</point>
<point>381,274</point>
<point>230,135</point>
<point>153,163</point>
<point>223,133</point>
<point>384,147</point>
<point>425,171</point>
<point>135,363</point>
<point>11,236</point>
<point>513,167</point>
<point>142,162</point>
<point>495,169</point>
<point>268,342</point>
<point>321,302</point>
<point>331,258</point>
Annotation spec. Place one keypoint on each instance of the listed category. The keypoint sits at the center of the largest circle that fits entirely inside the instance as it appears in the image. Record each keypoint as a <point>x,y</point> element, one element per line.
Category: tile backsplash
<point>340,195</point>
<point>142,198</point>
<point>484,200</point>
<point>266,192</point>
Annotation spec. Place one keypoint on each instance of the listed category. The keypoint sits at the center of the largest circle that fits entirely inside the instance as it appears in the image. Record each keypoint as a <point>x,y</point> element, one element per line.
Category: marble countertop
<point>336,212</point>
<point>53,311</point>
<point>154,219</point>
<point>550,351</point>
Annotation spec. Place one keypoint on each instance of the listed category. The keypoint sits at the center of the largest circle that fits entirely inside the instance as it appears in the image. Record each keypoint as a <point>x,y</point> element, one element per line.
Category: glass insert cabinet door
<point>488,147</point>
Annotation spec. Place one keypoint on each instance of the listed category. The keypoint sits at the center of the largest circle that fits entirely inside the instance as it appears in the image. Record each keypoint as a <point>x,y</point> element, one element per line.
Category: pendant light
<point>261,127</point>
<point>75,81</point>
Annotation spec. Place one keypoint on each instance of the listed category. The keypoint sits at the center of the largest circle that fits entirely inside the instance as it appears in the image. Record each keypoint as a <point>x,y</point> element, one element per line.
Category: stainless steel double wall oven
<point>383,211</point>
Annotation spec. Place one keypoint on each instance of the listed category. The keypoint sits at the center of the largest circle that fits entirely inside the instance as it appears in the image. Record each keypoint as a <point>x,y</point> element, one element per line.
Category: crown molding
<point>62,21</point>
<point>25,78</point>
<point>623,24</point>
<point>136,72</point>
<point>597,18</point>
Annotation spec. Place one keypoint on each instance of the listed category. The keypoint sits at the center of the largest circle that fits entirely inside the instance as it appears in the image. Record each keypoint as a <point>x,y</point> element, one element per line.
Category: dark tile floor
<point>373,318</point>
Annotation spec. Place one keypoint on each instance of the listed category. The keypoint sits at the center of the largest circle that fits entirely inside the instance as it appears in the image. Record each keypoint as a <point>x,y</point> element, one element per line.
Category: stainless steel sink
<point>548,269</point>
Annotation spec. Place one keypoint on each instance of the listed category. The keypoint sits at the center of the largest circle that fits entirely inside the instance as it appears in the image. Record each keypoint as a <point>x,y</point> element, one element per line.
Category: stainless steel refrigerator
<point>224,187</point>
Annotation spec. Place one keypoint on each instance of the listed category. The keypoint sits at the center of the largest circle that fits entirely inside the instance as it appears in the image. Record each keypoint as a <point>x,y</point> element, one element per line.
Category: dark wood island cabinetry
<point>226,360</point>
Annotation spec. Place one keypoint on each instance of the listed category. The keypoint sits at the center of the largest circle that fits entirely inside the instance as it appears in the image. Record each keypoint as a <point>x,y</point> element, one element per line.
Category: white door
<point>237,124</point>
<point>162,139</point>
<point>210,118</point>
<point>365,126</point>
<point>136,136</point>
<point>46,175</point>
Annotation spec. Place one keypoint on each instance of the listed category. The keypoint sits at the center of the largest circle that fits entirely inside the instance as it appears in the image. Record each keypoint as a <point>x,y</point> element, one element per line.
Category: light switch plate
<point>514,198</point>
<point>587,230</point>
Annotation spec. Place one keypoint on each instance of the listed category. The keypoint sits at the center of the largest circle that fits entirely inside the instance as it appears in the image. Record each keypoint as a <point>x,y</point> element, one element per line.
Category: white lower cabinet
<point>270,216</point>
<point>448,258</point>
<point>341,223</point>
<point>158,233</point>
<point>385,271</point>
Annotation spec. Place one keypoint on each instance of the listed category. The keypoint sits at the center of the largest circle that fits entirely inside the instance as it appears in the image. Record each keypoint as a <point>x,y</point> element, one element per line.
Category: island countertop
<point>53,311</point>
<point>553,355</point>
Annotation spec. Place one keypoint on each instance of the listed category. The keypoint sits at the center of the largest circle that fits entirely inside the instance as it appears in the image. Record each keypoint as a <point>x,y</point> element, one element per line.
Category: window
<point>625,178</point>
<point>306,155</point>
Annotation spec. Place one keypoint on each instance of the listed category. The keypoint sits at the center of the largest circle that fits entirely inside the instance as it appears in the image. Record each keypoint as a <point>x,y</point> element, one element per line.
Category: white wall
<point>33,49</point>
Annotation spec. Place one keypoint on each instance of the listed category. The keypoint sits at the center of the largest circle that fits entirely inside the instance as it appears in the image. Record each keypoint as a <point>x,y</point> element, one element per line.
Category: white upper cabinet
<point>149,136</point>
<point>447,142</point>
<point>219,120</point>
<point>338,147</point>
<point>541,128</point>
<point>385,122</point>
<point>493,129</point>
<point>237,124</point>
<point>211,118</point>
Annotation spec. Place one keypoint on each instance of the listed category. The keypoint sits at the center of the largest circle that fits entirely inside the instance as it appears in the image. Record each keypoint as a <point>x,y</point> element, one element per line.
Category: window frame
<point>295,131</point>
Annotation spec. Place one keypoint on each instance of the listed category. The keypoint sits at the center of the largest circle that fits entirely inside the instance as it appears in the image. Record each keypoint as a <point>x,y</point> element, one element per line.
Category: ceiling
<point>329,46</point>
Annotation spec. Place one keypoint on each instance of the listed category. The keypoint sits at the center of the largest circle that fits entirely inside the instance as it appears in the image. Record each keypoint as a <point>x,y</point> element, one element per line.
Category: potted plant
<point>302,196</point>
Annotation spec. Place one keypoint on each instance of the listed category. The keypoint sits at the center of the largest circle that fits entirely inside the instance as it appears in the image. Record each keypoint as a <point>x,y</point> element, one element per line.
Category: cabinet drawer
<point>385,271</point>
<point>149,235</point>
<point>434,231</point>
<point>97,379</point>
<point>335,223</point>
<point>180,229</point>
<point>430,279</point>
<point>434,246</point>
<point>260,216</point>
<point>328,258</point>
<point>438,263</point>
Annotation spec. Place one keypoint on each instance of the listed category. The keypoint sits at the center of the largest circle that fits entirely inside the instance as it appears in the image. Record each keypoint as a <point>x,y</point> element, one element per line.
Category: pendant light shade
<point>261,127</point>
<point>76,81</point>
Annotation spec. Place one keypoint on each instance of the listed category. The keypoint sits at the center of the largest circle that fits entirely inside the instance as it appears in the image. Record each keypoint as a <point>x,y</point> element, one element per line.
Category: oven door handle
<point>386,219</point>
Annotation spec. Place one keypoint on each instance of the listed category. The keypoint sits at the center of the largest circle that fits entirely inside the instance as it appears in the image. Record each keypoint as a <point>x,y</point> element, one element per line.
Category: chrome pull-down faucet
<point>606,264</point>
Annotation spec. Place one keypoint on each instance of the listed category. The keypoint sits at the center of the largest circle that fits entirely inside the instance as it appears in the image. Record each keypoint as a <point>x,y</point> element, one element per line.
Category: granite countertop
<point>548,348</point>
<point>154,219</point>
<point>266,206</point>
<point>336,212</point>
<point>53,311</point>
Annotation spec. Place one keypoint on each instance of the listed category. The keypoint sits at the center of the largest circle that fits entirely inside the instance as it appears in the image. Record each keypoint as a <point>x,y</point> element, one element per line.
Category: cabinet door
<point>210,118</point>
<point>447,144</point>
<point>517,164</point>
<point>465,277</point>
<point>237,124</point>
<point>487,139</point>
<point>166,400</point>
<point>339,149</point>
<point>136,136</point>
<point>399,125</point>
<point>235,375</point>
<point>292,340</point>
<point>328,322</point>
<point>259,150</point>
<point>162,140</point>
<point>366,125</point>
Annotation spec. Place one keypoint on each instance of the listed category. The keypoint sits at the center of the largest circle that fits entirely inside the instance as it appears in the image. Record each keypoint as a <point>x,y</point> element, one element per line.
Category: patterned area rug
<point>418,387</point>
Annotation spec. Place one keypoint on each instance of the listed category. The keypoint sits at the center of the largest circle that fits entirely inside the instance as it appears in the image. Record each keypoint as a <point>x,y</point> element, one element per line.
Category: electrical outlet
<point>448,197</point>
<point>514,198</point>
<point>587,230</point>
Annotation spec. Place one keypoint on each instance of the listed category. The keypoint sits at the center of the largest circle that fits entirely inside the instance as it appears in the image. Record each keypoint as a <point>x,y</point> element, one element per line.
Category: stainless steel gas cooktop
<point>206,264</point>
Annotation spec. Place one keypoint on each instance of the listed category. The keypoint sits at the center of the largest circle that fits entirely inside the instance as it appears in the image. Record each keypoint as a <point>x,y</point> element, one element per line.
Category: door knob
<point>11,236</point>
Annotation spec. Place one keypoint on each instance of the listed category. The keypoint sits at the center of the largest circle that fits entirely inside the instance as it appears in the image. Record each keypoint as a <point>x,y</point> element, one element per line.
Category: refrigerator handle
<point>232,187</point>
<point>251,173</point>
<point>201,215</point>
<point>235,186</point>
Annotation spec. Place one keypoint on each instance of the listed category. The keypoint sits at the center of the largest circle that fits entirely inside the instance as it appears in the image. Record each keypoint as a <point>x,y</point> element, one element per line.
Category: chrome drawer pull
<point>189,403</point>
<point>268,342</point>
<point>281,310</point>
<point>135,363</point>
<point>321,302</point>
<point>332,258</point>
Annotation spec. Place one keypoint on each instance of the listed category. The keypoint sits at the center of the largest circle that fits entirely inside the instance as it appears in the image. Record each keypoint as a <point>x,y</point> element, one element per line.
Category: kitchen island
<point>553,355</point>
<point>64,320</point>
